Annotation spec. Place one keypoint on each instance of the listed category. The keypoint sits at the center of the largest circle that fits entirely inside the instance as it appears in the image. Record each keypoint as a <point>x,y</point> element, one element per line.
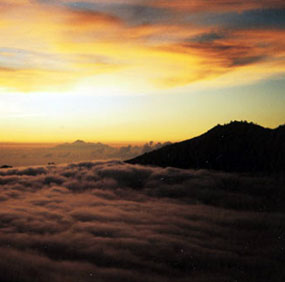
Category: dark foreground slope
<point>237,146</point>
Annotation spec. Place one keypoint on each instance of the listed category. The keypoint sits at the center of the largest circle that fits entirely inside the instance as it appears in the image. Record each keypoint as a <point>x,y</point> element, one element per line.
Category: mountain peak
<point>79,142</point>
<point>238,125</point>
<point>237,146</point>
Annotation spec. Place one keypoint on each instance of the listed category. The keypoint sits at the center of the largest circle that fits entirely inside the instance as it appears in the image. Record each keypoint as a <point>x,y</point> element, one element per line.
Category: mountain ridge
<point>237,146</point>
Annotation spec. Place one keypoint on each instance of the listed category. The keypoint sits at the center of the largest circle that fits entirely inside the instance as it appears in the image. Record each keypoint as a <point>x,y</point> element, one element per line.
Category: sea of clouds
<point>112,221</point>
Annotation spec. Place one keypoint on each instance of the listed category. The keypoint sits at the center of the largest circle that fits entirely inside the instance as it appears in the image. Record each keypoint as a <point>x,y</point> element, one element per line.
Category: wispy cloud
<point>163,43</point>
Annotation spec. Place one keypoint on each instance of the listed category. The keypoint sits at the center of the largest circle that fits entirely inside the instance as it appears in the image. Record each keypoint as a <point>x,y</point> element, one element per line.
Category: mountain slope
<point>237,146</point>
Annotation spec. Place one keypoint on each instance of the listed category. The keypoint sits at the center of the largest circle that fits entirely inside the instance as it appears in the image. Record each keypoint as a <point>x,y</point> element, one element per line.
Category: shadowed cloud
<point>247,60</point>
<point>220,5</point>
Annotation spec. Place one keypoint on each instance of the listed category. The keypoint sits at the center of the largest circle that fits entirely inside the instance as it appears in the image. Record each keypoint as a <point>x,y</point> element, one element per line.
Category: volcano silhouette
<point>237,146</point>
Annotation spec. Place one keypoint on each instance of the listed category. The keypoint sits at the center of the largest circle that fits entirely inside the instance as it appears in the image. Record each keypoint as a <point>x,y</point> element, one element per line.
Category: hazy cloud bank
<point>110,221</point>
<point>72,152</point>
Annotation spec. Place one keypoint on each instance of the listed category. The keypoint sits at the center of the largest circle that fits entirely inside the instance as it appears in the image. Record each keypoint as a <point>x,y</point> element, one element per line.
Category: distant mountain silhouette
<point>80,149</point>
<point>237,146</point>
<point>80,144</point>
<point>6,166</point>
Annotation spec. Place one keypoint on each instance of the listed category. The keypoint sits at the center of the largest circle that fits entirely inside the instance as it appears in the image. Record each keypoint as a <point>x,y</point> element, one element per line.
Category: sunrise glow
<point>101,69</point>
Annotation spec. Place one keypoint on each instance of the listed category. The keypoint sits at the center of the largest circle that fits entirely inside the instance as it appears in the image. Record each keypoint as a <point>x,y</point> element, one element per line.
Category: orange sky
<point>137,70</point>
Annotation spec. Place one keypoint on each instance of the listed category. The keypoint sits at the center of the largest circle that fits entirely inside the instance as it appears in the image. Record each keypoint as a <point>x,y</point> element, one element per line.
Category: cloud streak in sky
<point>140,37</point>
<point>220,5</point>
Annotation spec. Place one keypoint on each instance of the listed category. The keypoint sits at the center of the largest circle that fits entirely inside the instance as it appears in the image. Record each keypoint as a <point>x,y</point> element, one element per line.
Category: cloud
<point>233,53</point>
<point>132,14</point>
<point>76,151</point>
<point>247,60</point>
<point>219,6</point>
<point>207,37</point>
<point>82,40</point>
<point>111,221</point>
<point>180,5</point>
<point>91,18</point>
<point>250,19</point>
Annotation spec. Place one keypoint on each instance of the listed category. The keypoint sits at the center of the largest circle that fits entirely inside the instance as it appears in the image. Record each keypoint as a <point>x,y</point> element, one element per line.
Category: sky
<point>140,70</point>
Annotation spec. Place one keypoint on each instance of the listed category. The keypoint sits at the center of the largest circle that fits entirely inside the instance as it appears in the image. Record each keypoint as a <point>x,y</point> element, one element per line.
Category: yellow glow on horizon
<point>80,71</point>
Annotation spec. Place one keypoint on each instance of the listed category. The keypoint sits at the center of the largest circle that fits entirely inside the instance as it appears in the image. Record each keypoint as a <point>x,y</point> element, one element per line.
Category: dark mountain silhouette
<point>5,166</point>
<point>237,146</point>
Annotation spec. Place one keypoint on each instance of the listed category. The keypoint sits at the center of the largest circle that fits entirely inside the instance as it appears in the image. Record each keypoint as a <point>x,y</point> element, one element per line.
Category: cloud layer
<point>110,221</point>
